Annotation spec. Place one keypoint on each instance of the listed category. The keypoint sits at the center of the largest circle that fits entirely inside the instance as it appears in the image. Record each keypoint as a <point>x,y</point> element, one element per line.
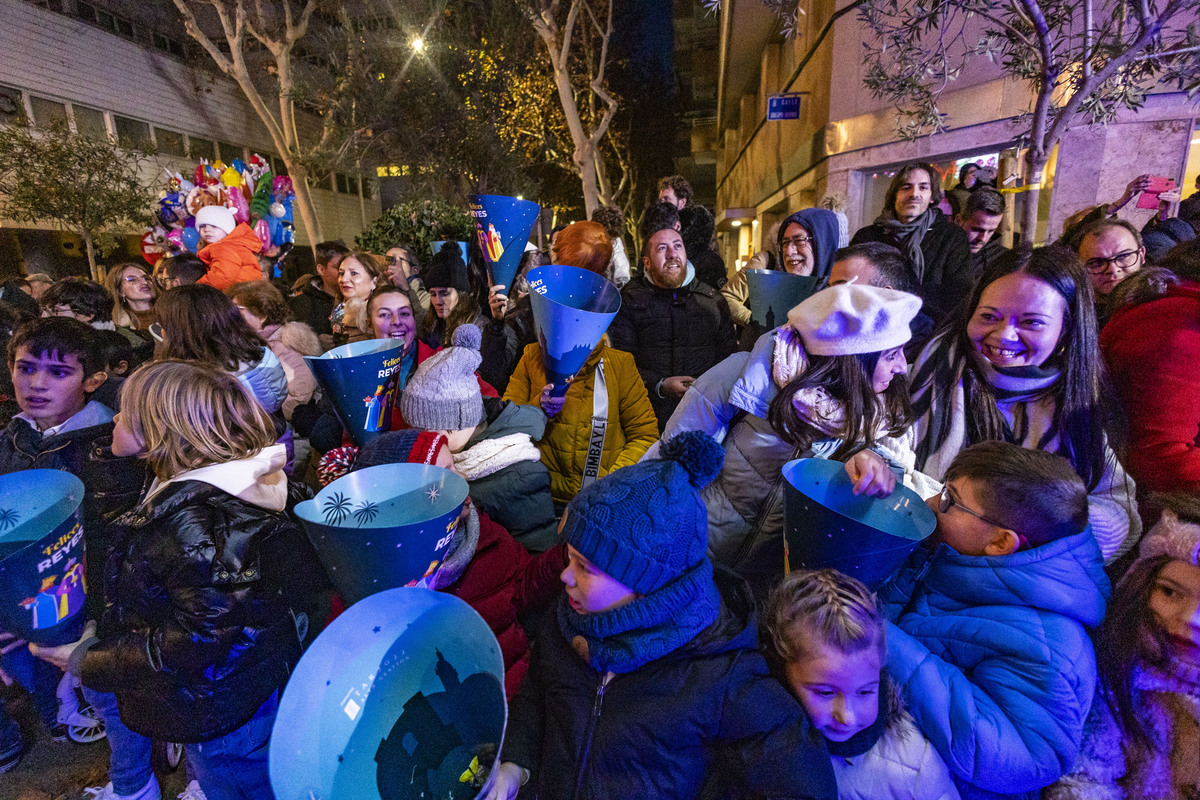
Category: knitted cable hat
<point>217,216</point>
<point>443,394</point>
<point>847,319</point>
<point>646,524</point>
<point>1172,537</point>
<point>447,270</point>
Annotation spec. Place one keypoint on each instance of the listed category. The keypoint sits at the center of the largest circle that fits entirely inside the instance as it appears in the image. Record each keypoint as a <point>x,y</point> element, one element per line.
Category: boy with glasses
<point>989,639</point>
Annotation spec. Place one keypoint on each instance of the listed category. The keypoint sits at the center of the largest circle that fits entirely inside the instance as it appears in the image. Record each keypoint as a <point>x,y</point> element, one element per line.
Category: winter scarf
<point>492,455</point>
<point>630,636</point>
<point>909,235</point>
<point>814,405</point>
<point>864,740</point>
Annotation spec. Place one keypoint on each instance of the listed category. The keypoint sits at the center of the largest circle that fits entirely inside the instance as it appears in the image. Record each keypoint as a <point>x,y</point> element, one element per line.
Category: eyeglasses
<point>946,501</point>
<point>796,241</point>
<point>1120,261</point>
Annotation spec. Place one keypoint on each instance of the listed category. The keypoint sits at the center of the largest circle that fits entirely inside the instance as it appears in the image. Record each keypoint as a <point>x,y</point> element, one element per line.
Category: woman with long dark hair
<point>1019,362</point>
<point>828,384</point>
<point>451,299</point>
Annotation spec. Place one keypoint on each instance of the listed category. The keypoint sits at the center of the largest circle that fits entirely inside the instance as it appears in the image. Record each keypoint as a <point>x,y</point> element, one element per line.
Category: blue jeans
<point>234,766</point>
<point>39,678</point>
<point>129,764</point>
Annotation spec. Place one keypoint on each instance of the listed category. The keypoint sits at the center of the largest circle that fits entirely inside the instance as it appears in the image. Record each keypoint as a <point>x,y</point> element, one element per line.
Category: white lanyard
<point>595,451</point>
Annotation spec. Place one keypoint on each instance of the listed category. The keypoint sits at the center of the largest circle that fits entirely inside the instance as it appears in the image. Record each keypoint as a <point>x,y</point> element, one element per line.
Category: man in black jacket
<point>936,248</point>
<point>313,304</point>
<point>675,325</point>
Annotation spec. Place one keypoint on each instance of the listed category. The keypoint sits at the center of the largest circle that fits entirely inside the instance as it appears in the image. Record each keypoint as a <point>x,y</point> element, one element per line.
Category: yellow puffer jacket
<point>632,427</point>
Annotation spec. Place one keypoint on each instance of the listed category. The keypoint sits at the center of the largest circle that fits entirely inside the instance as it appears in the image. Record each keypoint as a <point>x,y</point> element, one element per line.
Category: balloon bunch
<point>255,196</point>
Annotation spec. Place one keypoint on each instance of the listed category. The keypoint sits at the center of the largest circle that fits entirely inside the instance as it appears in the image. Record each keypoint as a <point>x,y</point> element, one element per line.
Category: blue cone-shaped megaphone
<point>400,698</point>
<point>41,556</point>
<point>572,308</point>
<point>462,248</point>
<point>827,526</point>
<point>361,379</point>
<point>773,294</point>
<point>503,225</point>
<point>383,527</point>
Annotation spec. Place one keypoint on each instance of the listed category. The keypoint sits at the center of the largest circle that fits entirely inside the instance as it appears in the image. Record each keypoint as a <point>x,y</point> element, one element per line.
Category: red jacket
<point>502,582</point>
<point>233,259</point>
<point>1153,353</point>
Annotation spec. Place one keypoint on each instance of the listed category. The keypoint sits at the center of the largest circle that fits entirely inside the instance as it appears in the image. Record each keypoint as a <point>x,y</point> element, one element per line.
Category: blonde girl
<point>825,632</point>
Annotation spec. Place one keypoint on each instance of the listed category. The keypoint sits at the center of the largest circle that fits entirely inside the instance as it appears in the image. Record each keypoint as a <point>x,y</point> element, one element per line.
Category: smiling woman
<point>1020,363</point>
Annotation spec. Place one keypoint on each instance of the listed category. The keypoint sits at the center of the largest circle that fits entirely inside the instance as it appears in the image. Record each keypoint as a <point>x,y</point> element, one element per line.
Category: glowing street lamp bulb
<point>418,44</point>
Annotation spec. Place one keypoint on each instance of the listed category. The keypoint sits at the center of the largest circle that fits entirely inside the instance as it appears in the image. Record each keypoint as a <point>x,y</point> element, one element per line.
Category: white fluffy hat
<point>848,319</point>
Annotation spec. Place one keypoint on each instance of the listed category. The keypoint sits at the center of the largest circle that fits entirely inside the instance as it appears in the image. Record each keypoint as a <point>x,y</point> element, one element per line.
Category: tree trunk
<point>90,249</point>
<point>304,203</point>
<point>1036,160</point>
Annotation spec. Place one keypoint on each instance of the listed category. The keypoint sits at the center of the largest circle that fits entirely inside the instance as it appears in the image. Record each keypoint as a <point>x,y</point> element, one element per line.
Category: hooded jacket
<point>669,332</point>
<point>290,343</point>
<point>632,427</point>
<point>232,260</point>
<point>517,495</point>
<point>658,731</point>
<point>994,659</point>
<point>821,225</point>
<point>199,589</point>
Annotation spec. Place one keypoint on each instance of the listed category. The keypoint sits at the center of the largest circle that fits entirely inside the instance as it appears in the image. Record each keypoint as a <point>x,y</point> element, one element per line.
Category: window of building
<point>229,151</point>
<point>11,107</point>
<point>131,132</point>
<point>168,45</point>
<point>86,11</point>
<point>352,184</point>
<point>280,166</point>
<point>341,183</point>
<point>89,121</point>
<point>169,142</point>
<point>199,147</point>
<point>104,19</point>
<point>368,189</point>
<point>49,5</point>
<point>48,113</point>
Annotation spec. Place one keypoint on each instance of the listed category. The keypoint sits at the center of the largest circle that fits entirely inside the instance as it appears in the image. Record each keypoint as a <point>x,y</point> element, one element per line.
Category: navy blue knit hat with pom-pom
<point>646,524</point>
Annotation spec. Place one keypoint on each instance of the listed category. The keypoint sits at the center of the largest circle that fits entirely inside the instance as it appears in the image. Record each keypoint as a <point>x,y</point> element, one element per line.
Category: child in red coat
<point>231,248</point>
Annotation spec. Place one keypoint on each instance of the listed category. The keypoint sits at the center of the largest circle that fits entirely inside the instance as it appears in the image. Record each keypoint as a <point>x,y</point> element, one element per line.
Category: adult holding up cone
<point>600,417</point>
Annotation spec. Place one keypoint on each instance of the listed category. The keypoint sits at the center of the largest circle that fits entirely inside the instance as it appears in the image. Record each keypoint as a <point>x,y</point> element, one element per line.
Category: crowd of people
<point>626,540</point>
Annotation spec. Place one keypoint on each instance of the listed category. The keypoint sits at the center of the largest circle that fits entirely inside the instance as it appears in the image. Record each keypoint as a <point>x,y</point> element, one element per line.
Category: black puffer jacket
<point>658,731</point>
<point>197,631</point>
<point>682,331</point>
<point>111,485</point>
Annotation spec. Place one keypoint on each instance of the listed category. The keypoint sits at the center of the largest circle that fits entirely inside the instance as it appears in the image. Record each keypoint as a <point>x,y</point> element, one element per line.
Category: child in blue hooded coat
<point>649,671</point>
<point>989,641</point>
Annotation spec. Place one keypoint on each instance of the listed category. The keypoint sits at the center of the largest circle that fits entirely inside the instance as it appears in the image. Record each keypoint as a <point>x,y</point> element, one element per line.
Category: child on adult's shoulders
<point>648,675</point>
<point>230,249</point>
<point>989,643</point>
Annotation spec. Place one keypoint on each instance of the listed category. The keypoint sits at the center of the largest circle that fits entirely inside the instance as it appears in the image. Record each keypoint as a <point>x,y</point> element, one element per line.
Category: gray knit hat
<point>443,394</point>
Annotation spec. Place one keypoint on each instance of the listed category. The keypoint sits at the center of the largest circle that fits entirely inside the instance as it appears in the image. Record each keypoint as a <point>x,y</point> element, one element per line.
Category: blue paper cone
<point>361,380</point>
<point>503,225</point>
<point>462,248</point>
<point>773,294</point>
<point>383,527</point>
<point>572,308</point>
<point>827,526</point>
<point>41,556</point>
<point>400,698</point>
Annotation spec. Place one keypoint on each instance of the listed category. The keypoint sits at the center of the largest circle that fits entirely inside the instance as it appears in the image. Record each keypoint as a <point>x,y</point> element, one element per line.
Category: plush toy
<point>154,245</point>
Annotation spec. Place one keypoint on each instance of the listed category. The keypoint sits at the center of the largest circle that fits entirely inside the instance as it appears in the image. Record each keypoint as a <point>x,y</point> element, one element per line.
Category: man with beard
<point>675,325</point>
<point>936,248</point>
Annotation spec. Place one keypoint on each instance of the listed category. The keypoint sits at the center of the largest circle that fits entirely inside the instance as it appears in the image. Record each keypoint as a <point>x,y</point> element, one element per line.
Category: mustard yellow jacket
<point>632,427</point>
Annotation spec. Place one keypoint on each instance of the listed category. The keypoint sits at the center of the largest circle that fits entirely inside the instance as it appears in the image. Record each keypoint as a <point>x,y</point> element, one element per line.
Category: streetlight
<point>418,44</point>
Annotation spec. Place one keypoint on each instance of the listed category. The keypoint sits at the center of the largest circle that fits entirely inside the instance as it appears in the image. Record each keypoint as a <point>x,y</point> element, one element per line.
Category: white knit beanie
<point>443,394</point>
<point>1172,537</point>
<point>217,216</point>
<point>848,319</point>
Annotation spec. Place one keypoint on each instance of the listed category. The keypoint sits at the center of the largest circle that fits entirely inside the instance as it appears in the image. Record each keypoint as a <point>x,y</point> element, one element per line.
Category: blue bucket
<point>401,697</point>
<point>773,294</point>
<point>361,380</point>
<point>503,225</point>
<point>42,585</point>
<point>383,527</point>
<point>572,309</point>
<point>827,526</point>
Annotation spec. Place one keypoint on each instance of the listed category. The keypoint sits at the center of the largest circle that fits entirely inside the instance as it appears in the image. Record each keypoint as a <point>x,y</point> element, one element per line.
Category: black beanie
<point>447,270</point>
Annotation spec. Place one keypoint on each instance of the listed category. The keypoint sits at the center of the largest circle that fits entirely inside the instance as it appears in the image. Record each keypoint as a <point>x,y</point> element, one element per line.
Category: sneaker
<point>193,792</point>
<point>80,720</point>
<point>148,792</point>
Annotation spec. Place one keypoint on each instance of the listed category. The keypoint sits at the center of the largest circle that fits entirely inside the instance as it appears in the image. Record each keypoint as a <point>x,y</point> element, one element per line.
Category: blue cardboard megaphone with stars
<point>383,527</point>
<point>503,225</point>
